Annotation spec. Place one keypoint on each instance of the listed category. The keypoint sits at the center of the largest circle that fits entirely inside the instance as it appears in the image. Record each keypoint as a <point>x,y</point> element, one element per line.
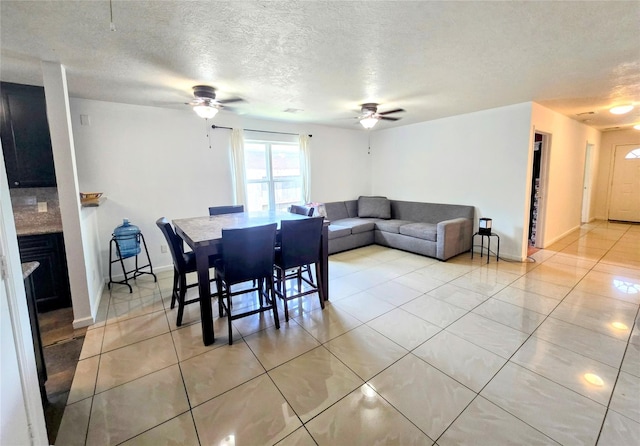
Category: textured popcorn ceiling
<point>435,59</point>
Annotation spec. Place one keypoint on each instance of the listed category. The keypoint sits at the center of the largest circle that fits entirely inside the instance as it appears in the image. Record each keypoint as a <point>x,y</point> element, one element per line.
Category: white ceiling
<point>434,59</point>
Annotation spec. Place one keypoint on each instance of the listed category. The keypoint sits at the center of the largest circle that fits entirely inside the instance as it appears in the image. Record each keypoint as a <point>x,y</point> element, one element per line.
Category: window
<point>273,175</point>
<point>633,154</point>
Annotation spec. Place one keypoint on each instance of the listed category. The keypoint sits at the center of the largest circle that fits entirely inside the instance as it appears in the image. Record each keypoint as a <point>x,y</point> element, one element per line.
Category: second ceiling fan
<point>370,115</point>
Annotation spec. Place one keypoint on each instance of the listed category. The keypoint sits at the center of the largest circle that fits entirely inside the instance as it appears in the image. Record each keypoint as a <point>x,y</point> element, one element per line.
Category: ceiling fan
<point>205,103</point>
<point>370,116</point>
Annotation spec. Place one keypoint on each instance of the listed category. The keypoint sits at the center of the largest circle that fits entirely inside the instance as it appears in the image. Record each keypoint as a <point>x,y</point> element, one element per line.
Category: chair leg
<point>181,296</point>
<point>279,279</point>
<point>260,291</point>
<point>274,302</point>
<point>308,268</point>
<point>283,289</point>
<point>174,291</point>
<point>229,315</point>
<point>220,296</point>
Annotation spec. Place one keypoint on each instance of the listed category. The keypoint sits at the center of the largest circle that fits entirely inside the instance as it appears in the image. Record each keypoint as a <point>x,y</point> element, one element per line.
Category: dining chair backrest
<point>219,210</point>
<point>301,210</point>
<point>248,253</point>
<point>300,242</point>
<point>174,242</point>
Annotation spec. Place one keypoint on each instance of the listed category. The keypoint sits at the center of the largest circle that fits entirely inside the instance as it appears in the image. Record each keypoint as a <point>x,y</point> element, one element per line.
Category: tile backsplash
<point>36,209</point>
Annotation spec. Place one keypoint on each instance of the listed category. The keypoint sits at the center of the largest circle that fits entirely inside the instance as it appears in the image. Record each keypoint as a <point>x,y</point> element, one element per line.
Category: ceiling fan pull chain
<point>112,26</point>
<point>206,124</point>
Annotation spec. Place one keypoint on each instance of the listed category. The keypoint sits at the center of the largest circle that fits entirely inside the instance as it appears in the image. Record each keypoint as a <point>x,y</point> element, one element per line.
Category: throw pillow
<point>377,207</point>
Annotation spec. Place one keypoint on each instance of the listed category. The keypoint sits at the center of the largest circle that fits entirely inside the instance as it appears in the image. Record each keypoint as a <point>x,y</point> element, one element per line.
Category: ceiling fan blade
<point>229,109</point>
<point>388,118</point>
<point>229,101</point>
<point>397,110</point>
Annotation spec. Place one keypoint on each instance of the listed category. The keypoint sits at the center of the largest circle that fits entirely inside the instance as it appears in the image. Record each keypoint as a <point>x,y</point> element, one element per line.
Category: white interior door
<point>21,413</point>
<point>625,184</point>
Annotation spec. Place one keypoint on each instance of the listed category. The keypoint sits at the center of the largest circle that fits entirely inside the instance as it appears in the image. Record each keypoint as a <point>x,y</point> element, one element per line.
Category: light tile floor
<point>409,350</point>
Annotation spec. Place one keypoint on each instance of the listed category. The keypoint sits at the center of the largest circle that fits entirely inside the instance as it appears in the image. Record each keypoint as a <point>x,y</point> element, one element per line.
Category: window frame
<point>270,180</point>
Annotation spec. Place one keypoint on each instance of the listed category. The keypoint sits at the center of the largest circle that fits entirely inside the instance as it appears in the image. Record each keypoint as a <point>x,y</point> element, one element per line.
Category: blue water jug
<point>128,239</point>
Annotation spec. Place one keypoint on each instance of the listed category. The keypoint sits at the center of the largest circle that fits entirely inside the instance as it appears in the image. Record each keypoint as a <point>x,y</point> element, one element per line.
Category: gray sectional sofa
<point>431,229</point>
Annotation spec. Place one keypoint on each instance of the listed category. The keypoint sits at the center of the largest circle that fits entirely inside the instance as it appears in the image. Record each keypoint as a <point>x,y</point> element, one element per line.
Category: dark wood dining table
<point>204,236</point>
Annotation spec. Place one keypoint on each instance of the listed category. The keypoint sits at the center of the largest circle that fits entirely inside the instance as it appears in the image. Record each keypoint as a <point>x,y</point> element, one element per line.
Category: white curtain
<point>305,165</point>
<point>237,167</point>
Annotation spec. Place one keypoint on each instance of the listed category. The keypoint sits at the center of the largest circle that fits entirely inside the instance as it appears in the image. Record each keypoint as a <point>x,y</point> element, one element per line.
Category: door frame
<point>587,183</point>
<point>545,160</point>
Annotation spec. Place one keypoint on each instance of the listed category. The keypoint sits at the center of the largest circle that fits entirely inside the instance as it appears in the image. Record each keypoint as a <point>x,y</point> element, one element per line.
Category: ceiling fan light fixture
<point>205,111</point>
<point>621,109</point>
<point>369,122</point>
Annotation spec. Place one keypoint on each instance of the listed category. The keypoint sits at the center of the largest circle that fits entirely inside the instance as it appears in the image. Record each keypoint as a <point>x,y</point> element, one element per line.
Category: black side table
<point>488,236</point>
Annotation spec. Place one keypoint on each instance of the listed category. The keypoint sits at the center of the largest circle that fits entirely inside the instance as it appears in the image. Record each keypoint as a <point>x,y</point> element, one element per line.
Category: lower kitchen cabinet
<point>51,279</point>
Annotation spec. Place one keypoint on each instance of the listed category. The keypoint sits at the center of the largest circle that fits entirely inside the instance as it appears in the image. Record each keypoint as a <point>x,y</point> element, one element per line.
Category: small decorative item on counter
<point>127,237</point>
<point>90,198</point>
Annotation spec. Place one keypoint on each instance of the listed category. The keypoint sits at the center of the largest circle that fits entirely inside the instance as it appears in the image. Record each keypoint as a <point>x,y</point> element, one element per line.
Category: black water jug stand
<point>137,271</point>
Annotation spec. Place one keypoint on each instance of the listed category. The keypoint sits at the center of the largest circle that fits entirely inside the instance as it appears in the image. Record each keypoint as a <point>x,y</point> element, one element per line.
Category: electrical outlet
<point>163,248</point>
<point>42,206</point>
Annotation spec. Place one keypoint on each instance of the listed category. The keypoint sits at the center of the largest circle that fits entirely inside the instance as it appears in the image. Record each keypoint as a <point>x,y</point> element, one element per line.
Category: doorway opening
<point>536,203</point>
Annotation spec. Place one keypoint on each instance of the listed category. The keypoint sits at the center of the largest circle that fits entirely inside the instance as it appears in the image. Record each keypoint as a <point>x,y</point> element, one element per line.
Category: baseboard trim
<point>84,322</point>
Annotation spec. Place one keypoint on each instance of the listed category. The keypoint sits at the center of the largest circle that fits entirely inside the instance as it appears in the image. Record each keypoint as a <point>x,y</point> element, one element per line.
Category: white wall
<point>152,162</point>
<point>58,114</point>
<point>605,166</point>
<point>484,159</point>
<point>479,159</point>
<point>94,261</point>
<point>567,151</point>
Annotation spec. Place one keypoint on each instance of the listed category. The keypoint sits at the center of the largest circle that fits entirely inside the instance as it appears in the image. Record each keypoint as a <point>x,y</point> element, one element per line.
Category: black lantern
<point>484,226</point>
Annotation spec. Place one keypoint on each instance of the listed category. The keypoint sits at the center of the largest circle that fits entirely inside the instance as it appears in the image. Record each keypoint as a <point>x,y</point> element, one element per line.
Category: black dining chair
<point>183,263</point>
<point>247,254</point>
<point>220,210</point>
<point>301,210</point>
<point>300,245</point>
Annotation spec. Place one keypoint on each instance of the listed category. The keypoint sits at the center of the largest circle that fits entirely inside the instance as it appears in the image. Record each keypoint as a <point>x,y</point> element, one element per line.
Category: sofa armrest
<point>453,237</point>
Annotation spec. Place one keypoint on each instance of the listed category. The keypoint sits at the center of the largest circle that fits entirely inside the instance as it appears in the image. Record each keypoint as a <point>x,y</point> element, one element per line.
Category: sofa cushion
<point>335,231</point>
<point>425,231</point>
<point>352,208</point>
<point>336,210</point>
<point>429,212</point>
<point>356,225</point>
<point>376,207</point>
<point>391,225</point>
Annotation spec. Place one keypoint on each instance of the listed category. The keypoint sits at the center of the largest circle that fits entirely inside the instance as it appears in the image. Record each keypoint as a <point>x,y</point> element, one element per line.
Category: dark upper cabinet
<point>26,142</point>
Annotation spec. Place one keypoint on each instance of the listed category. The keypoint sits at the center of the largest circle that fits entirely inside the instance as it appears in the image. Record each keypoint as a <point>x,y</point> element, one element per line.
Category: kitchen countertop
<point>28,268</point>
<point>37,223</point>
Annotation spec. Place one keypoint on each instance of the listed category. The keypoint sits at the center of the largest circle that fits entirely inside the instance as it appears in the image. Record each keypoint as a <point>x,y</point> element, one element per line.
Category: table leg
<point>481,245</point>
<point>324,263</point>
<point>204,288</point>
<point>498,251</point>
